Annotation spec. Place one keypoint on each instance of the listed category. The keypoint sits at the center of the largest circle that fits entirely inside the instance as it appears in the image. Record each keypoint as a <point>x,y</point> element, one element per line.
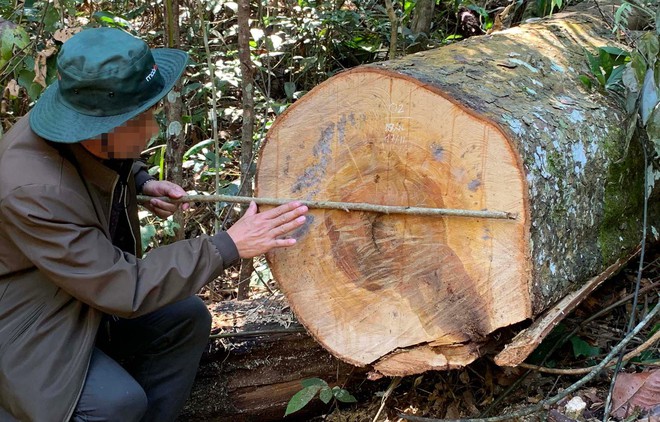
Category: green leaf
<point>197,148</point>
<point>541,352</point>
<point>301,398</point>
<point>594,65</point>
<point>343,395</point>
<point>7,44</point>
<point>649,96</point>
<point>630,80</point>
<point>615,51</point>
<point>615,77</point>
<point>605,62</point>
<point>21,38</point>
<point>325,395</point>
<point>639,65</point>
<point>649,46</point>
<point>147,233</point>
<point>211,159</point>
<point>585,81</point>
<point>25,79</point>
<point>582,348</point>
<point>313,381</point>
<point>110,19</point>
<point>51,19</point>
<point>621,15</point>
<point>290,89</point>
<point>230,145</point>
<point>657,21</point>
<point>170,227</point>
<point>653,128</point>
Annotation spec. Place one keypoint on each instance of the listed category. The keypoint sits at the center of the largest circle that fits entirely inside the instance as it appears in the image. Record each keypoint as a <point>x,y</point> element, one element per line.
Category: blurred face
<point>127,140</point>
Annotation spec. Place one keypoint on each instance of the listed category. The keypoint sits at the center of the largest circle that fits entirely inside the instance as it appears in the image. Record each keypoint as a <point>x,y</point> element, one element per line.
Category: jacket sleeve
<point>141,175</point>
<point>58,231</point>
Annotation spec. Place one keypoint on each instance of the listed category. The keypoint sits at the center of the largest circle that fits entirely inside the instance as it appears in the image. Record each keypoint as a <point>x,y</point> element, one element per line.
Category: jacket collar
<point>92,169</point>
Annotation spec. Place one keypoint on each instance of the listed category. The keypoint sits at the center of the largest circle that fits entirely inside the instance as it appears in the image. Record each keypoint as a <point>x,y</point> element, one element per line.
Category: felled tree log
<point>252,375</point>
<point>499,122</point>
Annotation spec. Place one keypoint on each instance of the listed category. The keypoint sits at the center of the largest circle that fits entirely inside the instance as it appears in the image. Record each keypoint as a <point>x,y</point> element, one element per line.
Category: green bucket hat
<point>105,78</point>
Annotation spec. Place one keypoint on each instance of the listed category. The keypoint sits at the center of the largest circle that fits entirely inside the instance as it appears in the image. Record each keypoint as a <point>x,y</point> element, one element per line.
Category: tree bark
<point>174,109</point>
<point>423,17</point>
<point>498,123</point>
<point>247,144</point>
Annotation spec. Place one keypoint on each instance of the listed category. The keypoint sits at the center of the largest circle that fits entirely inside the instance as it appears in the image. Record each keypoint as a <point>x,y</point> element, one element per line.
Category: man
<point>89,330</point>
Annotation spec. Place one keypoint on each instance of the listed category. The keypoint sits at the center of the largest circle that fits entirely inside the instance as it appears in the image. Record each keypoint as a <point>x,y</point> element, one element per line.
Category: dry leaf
<point>13,88</point>
<point>374,375</point>
<point>40,67</point>
<point>64,34</point>
<point>640,390</point>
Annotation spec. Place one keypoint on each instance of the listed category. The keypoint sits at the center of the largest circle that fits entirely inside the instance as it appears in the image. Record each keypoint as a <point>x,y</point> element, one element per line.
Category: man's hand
<point>163,188</point>
<point>257,233</point>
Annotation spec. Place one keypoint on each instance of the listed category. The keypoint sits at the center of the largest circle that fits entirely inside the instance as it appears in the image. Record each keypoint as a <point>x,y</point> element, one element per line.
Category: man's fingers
<point>175,191</point>
<point>282,209</point>
<point>290,215</point>
<point>283,243</point>
<point>290,226</point>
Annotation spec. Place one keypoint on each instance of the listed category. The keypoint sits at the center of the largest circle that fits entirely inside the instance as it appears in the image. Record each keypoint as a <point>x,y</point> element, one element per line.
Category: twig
<point>394,23</point>
<point>578,371</point>
<point>344,206</point>
<point>258,333</point>
<point>393,384</point>
<point>214,107</point>
<point>544,404</point>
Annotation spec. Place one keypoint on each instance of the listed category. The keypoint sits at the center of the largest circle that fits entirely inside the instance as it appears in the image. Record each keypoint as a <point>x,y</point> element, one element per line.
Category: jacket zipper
<point>89,360</point>
<point>128,219</point>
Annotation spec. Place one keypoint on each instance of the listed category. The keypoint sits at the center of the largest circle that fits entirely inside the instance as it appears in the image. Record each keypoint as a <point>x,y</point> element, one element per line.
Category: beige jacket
<point>59,272</point>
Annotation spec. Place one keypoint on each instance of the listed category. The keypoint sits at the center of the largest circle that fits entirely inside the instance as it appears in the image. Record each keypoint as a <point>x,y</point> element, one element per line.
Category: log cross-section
<point>500,122</point>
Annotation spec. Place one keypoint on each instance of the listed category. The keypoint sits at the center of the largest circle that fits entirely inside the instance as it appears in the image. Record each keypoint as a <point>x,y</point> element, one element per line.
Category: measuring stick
<point>343,206</point>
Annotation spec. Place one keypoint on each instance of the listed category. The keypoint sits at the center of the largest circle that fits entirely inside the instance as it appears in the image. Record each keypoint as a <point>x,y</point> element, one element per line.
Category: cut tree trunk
<point>499,122</point>
<point>252,377</point>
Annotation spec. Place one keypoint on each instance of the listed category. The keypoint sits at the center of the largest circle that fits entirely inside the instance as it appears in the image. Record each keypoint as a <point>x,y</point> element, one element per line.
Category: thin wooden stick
<point>579,371</point>
<point>258,333</point>
<point>344,206</point>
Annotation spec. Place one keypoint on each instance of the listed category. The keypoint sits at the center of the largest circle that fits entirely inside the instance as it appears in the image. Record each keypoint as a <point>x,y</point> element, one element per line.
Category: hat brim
<point>53,120</point>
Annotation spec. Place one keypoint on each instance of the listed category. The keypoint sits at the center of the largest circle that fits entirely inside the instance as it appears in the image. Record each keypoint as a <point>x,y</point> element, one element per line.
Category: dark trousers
<point>143,369</point>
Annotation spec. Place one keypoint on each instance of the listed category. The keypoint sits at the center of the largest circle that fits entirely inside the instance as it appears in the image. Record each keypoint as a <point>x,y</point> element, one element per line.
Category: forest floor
<point>484,390</point>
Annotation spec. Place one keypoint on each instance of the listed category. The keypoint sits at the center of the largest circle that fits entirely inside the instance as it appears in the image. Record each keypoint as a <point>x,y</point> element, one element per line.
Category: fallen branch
<point>258,333</point>
<point>343,206</point>
<point>578,371</point>
<point>544,404</point>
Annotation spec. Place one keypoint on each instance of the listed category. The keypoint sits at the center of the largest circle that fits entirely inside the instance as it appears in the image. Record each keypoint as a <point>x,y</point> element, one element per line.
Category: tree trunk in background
<point>500,123</point>
<point>247,144</point>
<point>173,103</point>
<point>423,17</point>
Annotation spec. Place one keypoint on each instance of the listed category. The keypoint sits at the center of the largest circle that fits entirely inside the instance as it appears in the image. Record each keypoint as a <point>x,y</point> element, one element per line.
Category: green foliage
<point>313,386</point>
<point>547,7</point>
<point>155,231</point>
<point>607,67</point>
<point>582,348</point>
<point>541,355</point>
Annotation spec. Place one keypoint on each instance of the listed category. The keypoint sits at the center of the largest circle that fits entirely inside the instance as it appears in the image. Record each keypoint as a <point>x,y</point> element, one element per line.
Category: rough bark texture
<point>499,122</point>
<point>174,109</point>
<point>247,132</point>
<point>423,17</point>
<point>252,378</point>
